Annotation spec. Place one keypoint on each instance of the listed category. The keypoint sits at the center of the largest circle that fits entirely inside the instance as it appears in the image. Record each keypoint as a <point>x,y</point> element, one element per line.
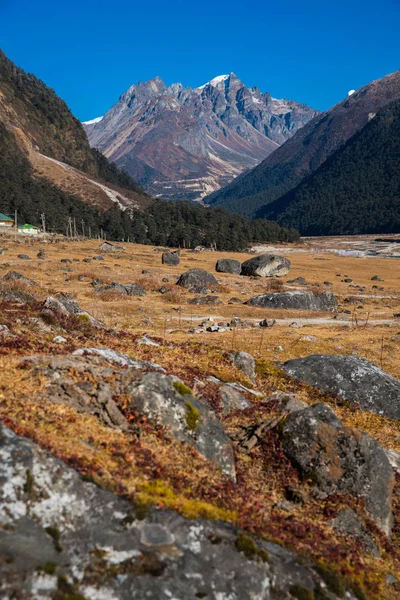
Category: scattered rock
<point>195,277</point>
<point>232,399</point>
<point>339,459</point>
<point>59,339</point>
<point>119,358</point>
<point>235,301</point>
<point>163,289</point>
<point>134,289</point>
<point>98,257</point>
<point>69,308</point>
<point>15,276</point>
<point>347,523</point>
<point>244,362</point>
<point>266,265</point>
<point>41,254</point>
<point>267,323</point>
<point>298,281</point>
<point>228,265</point>
<point>376,278</point>
<point>159,548</point>
<point>170,404</point>
<point>87,260</point>
<point>355,379</point>
<point>298,300</point>
<point>208,300</point>
<point>308,338</point>
<point>286,402</point>
<point>146,341</point>
<point>199,289</point>
<point>67,261</point>
<point>170,258</point>
<point>24,257</point>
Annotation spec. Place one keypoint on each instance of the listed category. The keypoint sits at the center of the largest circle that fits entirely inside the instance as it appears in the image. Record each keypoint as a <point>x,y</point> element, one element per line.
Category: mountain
<point>47,166</point>
<point>356,190</point>
<point>306,151</point>
<point>183,143</point>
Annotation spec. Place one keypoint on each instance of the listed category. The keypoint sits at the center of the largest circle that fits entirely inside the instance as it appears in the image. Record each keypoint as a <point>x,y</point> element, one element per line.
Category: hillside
<point>357,190</point>
<point>305,152</point>
<point>44,127</point>
<point>182,143</point>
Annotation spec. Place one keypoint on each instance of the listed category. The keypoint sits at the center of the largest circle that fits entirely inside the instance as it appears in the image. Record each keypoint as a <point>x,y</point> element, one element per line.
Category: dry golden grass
<point>159,471</point>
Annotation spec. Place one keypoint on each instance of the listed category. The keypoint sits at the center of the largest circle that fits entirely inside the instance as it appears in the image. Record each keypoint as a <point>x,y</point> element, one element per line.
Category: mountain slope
<point>182,143</point>
<point>307,149</point>
<point>357,190</point>
<point>44,128</point>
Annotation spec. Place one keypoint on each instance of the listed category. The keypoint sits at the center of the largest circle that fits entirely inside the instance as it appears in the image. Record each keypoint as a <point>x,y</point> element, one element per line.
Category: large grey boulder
<point>266,265</point>
<point>296,299</point>
<point>69,308</point>
<point>355,379</point>
<point>338,459</point>
<point>195,277</point>
<point>244,362</point>
<point>127,289</point>
<point>63,537</point>
<point>188,419</point>
<point>170,258</point>
<point>228,265</point>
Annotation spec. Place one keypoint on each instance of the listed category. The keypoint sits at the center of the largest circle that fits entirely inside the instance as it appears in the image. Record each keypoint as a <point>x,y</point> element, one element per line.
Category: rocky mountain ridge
<point>183,143</point>
<point>307,150</point>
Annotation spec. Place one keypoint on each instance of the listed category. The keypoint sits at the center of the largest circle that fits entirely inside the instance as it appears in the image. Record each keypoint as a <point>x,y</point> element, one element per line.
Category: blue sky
<point>311,51</point>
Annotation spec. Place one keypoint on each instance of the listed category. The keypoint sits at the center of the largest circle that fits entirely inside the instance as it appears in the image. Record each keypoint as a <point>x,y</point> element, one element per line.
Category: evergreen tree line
<point>162,223</point>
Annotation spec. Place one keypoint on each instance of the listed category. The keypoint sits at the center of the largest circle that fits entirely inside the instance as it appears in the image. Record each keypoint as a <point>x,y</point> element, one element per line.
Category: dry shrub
<point>108,295</point>
<point>148,282</point>
<point>274,285</point>
<point>90,275</point>
<point>174,296</point>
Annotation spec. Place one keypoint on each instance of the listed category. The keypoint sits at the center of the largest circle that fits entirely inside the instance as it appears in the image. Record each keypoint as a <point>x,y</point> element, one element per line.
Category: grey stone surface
<point>354,379</point>
<point>244,362</point>
<point>266,265</point>
<point>163,556</point>
<point>298,300</point>
<point>170,258</point>
<point>228,265</point>
<point>196,277</point>
<point>232,399</point>
<point>339,459</point>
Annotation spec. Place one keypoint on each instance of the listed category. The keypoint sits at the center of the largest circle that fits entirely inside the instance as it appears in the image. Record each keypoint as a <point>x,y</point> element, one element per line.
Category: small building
<point>28,229</point>
<point>6,221</point>
<point>109,247</point>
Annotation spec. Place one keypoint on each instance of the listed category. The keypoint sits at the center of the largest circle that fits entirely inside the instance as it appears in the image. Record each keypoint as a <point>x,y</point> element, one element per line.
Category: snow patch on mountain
<point>93,121</point>
<point>214,81</point>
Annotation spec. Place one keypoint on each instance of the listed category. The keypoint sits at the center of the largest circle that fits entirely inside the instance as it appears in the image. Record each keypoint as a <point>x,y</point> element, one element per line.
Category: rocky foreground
<point>137,465</point>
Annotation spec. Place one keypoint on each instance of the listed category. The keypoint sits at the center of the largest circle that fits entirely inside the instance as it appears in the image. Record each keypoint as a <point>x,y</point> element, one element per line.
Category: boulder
<point>170,258</point>
<point>16,296</point>
<point>15,276</point>
<point>207,300</point>
<point>228,265</point>
<point>338,459</point>
<point>197,277</point>
<point>355,379</point>
<point>266,265</point>
<point>298,300</point>
<point>62,536</point>
<point>232,399</point>
<point>244,362</point>
<point>69,308</point>
<point>188,419</point>
<point>134,289</point>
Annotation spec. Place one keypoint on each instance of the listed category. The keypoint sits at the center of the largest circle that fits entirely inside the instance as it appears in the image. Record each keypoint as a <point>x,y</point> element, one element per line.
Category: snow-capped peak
<point>215,81</point>
<point>93,121</point>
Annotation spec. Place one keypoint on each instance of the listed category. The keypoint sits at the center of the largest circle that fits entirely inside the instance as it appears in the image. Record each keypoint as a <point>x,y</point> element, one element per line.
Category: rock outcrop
<point>228,265</point>
<point>266,265</point>
<point>298,300</point>
<point>64,537</point>
<point>355,379</point>
<point>338,459</point>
